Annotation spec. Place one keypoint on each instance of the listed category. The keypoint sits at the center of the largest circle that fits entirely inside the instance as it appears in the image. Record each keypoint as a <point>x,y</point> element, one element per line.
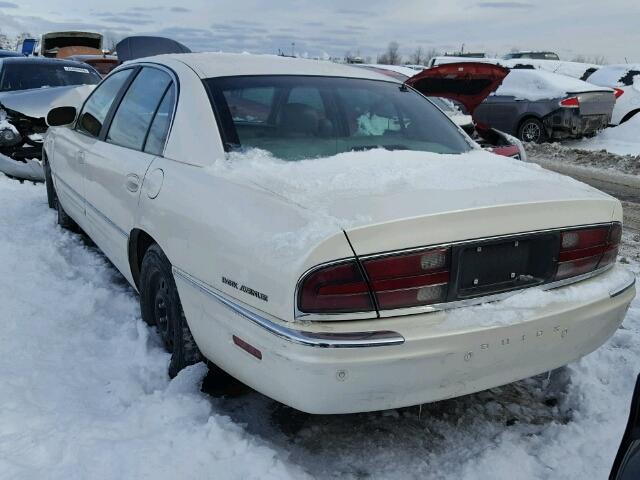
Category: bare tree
<point>422,57</point>
<point>21,38</point>
<point>432,52</point>
<point>391,56</point>
<point>417,57</point>
<point>596,59</point>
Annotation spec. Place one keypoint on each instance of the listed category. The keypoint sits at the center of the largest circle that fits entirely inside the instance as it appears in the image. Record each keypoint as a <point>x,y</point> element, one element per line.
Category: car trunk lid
<point>595,103</point>
<point>468,83</point>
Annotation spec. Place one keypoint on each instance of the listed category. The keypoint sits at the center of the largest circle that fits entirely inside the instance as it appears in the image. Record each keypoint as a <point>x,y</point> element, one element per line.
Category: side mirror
<point>627,463</point>
<point>59,116</point>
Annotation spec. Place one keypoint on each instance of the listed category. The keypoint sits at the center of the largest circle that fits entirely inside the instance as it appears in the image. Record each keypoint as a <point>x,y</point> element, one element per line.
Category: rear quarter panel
<point>211,228</point>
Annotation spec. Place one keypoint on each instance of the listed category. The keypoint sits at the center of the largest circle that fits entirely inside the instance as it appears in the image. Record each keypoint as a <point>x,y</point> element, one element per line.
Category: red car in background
<point>467,85</point>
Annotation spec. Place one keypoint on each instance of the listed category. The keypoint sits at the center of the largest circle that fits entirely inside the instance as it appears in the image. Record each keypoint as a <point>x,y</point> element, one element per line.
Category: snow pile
<point>541,85</point>
<point>5,124</point>
<point>85,392</point>
<point>345,191</point>
<point>524,304</point>
<point>322,181</point>
<point>571,69</point>
<point>621,140</point>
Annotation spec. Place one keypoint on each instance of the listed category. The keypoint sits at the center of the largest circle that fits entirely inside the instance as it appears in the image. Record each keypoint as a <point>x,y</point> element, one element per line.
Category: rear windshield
<point>103,66</point>
<point>27,75</point>
<point>298,117</point>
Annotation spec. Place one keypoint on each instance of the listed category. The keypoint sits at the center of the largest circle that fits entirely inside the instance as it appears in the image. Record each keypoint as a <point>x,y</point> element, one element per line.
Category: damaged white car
<point>29,88</point>
<point>328,236</point>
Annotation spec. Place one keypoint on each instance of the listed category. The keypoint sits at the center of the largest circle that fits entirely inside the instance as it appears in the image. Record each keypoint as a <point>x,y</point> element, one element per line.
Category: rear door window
<point>161,123</point>
<point>135,113</point>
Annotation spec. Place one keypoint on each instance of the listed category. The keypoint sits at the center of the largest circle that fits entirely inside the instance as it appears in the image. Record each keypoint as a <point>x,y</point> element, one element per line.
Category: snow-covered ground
<point>621,140</point>
<point>84,392</point>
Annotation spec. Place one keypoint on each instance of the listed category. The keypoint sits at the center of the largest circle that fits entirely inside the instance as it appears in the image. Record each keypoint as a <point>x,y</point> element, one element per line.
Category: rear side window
<point>161,122</point>
<point>97,107</point>
<point>135,113</point>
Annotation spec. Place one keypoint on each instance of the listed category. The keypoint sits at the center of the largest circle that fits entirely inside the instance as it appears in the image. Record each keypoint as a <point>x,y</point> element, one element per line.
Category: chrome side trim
<point>447,305</point>
<point>379,338</point>
<point>107,220</point>
<point>94,209</point>
<point>623,288</point>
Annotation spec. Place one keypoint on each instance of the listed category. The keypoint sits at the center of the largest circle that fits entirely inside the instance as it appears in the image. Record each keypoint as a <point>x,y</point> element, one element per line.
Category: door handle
<point>80,156</point>
<point>133,182</point>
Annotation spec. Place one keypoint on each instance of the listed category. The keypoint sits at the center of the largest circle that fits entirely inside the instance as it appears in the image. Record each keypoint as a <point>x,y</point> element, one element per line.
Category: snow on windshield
<point>540,85</point>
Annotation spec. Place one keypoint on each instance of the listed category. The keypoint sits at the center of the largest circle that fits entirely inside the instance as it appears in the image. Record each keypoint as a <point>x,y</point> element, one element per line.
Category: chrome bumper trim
<point>379,338</point>
<point>624,287</point>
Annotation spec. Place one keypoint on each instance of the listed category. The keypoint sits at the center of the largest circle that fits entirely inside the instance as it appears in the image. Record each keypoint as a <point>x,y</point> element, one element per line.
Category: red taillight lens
<point>335,289</point>
<point>410,280</point>
<point>571,102</point>
<point>618,92</point>
<point>584,250</point>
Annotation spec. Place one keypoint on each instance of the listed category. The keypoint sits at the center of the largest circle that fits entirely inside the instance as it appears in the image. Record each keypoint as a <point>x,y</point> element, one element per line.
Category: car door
<point>71,144</point>
<point>115,167</point>
<point>500,112</point>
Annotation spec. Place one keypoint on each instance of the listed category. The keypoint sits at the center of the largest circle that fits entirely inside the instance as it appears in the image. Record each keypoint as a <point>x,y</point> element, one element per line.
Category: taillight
<point>587,249</point>
<point>409,280</point>
<point>571,102</point>
<point>397,281</point>
<point>618,92</point>
<point>337,288</point>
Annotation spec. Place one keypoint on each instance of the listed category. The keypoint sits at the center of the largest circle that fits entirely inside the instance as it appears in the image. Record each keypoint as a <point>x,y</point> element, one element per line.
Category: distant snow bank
<point>621,140</point>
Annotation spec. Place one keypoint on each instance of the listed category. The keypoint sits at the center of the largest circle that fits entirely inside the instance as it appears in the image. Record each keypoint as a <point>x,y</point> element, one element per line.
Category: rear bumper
<point>569,123</point>
<point>425,360</point>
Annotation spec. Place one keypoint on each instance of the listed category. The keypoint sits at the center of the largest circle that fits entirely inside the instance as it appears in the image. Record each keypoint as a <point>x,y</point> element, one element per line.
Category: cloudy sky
<point>570,27</point>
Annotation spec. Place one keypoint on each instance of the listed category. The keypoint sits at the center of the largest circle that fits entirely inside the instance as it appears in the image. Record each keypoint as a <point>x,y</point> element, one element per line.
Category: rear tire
<point>532,130</point>
<point>48,181</point>
<point>160,306</point>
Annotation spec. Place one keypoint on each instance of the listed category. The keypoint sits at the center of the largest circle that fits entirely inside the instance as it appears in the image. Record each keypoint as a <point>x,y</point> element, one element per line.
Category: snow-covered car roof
<point>402,70</point>
<point>208,65</point>
<point>615,75</point>
<point>571,69</point>
<point>534,85</point>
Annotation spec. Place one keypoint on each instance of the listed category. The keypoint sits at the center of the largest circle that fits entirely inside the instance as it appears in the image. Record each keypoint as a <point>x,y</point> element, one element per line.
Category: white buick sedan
<point>328,236</point>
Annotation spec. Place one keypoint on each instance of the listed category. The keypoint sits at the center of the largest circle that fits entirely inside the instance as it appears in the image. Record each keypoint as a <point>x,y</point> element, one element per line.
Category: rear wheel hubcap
<point>531,132</point>
<point>162,304</point>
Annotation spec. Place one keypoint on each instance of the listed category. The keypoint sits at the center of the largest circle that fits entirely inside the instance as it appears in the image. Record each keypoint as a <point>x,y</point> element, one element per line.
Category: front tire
<point>160,306</point>
<point>64,220</point>
<point>532,130</point>
<point>48,181</point>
